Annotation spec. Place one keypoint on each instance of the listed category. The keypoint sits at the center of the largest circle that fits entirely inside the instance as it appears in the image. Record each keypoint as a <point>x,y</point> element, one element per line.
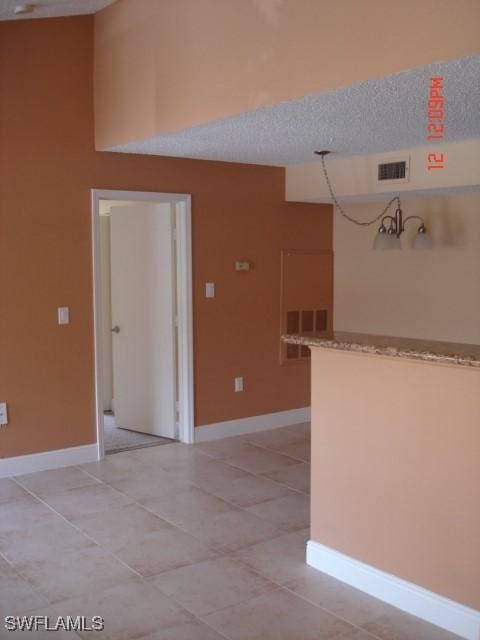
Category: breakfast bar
<point>395,504</point>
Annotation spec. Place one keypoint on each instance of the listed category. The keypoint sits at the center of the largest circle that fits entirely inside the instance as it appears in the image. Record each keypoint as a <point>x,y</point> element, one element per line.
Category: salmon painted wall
<point>163,65</point>
<point>395,471</point>
<point>47,167</point>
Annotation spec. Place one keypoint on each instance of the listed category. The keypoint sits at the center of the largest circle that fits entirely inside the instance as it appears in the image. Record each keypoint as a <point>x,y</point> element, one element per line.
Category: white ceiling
<point>380,115</point>
<point>51,8</point>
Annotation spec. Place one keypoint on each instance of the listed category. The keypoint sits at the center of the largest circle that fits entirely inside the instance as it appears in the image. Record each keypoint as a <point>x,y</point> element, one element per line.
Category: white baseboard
<point>241,426</point>
<point>409,597</point>
<point>19,465</point>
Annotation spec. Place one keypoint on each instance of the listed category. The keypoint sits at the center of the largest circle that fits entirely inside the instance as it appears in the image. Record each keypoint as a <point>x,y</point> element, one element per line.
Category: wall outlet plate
<point>242,265</point>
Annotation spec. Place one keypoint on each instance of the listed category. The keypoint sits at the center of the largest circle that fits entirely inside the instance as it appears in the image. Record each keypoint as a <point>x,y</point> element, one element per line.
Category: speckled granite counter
<point>430,351</point>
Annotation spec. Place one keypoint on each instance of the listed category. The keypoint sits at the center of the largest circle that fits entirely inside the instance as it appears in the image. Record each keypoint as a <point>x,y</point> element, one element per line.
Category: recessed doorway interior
<point>143,323</point>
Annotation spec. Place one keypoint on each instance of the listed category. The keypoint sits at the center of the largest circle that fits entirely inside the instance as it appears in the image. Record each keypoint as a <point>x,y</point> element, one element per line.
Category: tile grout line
<point>224,553</point>
<point>198,487</point>
<point>332,613</point>
<point>74,526</point>
<point>235,507</point>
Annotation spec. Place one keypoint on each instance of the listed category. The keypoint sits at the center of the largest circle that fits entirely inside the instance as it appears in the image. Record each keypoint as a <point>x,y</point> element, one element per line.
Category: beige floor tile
<point>215,475</point>
<point>212,585</point>
<point>296,476</point>
<point>250,490</point>
<point>189,471</point>
<point>172,457</point>
<point>356,634</point>
<point>298,450</point>
<point>9,490</point>
<point>289,513</point>
<point>16,594</point>
<point>148,482</point>
<point>233,530</point>
<point>195,630</point>
<point>304,534</point>
<point>398,625</point>
<point>225,447</point>
<point>281,559</point>
<point>121,526</point>
<point>303,428</point>
<point>277,615</point>
<point>21,513</point>
<point>259,460</point>
<point>44,483</point>
<point>339,598</point>
<point>187,507</point>
<point>73,573</point>
<point>85,500</point>
<point>44,540</point>
<point>164,550</point>
<point>276,439</point>
<point>113,467</point>
<point>130,610</point>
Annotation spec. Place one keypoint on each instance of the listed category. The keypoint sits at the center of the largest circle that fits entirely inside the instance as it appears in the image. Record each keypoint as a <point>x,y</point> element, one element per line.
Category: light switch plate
<point>63,315</point>
<point>3,414</point>
<point>209,289</point>
<point>238,384</point>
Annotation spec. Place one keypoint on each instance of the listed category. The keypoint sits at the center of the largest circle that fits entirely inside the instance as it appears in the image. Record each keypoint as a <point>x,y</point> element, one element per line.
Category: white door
<point>143,311</point>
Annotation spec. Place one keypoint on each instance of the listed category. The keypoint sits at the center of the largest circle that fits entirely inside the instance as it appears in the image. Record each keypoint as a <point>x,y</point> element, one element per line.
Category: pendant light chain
<point>339,206</point>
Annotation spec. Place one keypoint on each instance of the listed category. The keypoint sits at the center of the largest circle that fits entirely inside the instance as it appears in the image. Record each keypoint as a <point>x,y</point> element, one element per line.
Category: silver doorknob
<point>116,329</point>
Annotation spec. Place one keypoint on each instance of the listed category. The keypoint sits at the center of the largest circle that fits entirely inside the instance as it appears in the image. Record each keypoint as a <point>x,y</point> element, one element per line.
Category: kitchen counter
<point>428,350</point>
<point>394,463</point>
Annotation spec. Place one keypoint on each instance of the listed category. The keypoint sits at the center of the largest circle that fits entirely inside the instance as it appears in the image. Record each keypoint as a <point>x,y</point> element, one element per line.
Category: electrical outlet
<point>238,384</point>
<point>3,414</point>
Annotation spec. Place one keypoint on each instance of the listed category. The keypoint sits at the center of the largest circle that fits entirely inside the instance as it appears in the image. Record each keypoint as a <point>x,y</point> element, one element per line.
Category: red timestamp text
<point>435,121</point>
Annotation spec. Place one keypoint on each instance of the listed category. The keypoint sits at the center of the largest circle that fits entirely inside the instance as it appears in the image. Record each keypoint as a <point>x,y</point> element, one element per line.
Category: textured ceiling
<point>51,8</point>
<point>380,115</point>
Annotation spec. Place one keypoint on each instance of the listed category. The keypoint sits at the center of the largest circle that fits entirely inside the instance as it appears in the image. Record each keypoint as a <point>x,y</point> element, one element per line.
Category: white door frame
<point>184,303</point>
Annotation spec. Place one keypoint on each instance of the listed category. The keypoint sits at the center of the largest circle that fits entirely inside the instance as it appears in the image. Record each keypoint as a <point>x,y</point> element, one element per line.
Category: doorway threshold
<point>118,440</point>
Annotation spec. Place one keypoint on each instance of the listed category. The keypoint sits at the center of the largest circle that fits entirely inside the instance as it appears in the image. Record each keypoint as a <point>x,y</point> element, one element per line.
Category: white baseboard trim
<point>20,465</point>
<point>241,426</point>
<point>409,597</point>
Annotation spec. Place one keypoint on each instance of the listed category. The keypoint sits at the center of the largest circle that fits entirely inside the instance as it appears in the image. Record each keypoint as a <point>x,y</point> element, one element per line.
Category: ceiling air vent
<point>392,170</point>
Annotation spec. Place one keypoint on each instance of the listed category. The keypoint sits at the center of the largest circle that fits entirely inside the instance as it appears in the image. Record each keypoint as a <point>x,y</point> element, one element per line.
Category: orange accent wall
<point>47,167</point>
<point>395,472</point>
<point>163,65</point>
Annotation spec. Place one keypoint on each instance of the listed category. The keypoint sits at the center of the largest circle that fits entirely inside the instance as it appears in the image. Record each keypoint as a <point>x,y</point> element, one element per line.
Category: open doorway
<point>143,319</point>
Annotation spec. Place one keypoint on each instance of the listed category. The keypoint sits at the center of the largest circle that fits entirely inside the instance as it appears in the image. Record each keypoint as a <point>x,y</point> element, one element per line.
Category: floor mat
<point>116,439</point>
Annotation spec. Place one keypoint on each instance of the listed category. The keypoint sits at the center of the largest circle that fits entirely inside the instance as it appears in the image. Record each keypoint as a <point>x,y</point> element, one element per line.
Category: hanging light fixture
<point>391,227</point>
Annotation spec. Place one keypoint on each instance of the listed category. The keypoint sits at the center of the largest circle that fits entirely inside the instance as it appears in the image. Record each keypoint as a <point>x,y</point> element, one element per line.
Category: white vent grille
<point>392,171</point>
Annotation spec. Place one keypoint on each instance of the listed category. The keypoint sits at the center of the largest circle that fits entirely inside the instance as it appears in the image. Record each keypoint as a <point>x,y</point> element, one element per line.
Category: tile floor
<point>181,542</point>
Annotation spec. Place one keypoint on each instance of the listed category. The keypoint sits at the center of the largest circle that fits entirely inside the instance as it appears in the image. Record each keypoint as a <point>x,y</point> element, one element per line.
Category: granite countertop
<point>427,350</point>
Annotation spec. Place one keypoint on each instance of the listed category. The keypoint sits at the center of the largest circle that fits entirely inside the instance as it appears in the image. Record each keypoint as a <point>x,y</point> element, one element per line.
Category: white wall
<point>421,294</point>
